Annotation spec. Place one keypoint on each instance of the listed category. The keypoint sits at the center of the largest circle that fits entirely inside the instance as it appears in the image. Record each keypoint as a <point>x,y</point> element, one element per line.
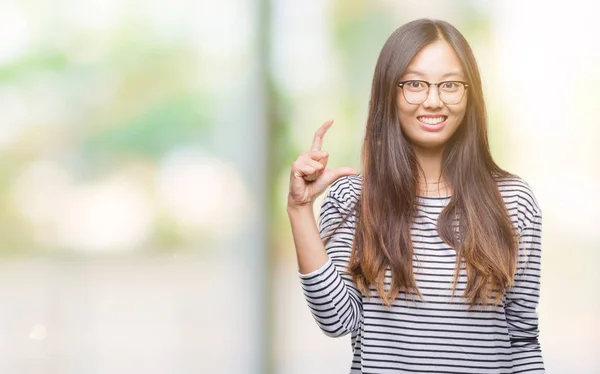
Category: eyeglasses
<point>416,92</point>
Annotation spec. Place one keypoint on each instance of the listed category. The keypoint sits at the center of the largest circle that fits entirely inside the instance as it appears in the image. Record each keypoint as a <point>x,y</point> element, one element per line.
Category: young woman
<point>431,258</point>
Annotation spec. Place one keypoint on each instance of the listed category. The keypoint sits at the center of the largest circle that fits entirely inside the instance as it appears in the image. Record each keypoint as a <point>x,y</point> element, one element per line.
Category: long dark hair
<point>486,239</point>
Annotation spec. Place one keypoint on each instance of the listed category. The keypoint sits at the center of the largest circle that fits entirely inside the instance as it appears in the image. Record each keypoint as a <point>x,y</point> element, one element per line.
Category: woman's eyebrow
<point>451,74</point>
<point>410,71</point>
<point>416,72</point>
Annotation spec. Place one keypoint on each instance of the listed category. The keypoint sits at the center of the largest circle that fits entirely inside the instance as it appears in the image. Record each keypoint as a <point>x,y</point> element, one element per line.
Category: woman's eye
<point>449,86</point>
<point>415,84</point>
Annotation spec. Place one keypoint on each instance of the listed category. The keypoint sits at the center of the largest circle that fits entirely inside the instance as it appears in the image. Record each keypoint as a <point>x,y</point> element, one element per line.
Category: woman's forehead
<point>436,61</point>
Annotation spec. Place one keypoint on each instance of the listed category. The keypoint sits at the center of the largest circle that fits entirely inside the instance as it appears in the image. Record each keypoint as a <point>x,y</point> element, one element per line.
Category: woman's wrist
<point>293,207</point>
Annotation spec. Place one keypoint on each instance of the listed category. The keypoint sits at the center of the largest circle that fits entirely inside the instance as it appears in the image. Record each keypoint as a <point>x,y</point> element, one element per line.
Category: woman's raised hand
<point>309,176</point>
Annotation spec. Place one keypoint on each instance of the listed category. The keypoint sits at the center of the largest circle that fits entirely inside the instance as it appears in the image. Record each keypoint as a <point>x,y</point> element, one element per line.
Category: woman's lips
<point>432,123</point>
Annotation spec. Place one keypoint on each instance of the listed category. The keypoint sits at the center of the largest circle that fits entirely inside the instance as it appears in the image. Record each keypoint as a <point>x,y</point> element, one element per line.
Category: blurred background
<point>145,149</point>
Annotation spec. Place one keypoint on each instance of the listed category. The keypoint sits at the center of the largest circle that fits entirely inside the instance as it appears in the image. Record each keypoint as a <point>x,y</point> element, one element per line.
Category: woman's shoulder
<point>518,194</point>
<point>514,185</point>
<point>346,190</point>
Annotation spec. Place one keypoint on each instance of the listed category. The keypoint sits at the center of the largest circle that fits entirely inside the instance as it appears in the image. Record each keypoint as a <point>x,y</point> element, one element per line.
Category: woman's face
<point>430,124</point>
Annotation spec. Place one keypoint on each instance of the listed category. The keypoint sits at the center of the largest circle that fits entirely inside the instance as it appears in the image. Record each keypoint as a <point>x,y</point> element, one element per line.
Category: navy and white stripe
<point>436,334</point>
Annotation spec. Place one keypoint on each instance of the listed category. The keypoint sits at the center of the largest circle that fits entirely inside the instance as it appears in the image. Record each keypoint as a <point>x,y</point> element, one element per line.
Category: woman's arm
<point>310,251</point>
<point>323,285</point>
<point>522,301</point>
<point>331,295</point>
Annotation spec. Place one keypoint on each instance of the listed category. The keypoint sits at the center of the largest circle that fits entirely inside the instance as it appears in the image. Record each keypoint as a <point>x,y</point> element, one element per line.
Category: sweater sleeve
<point>330,293</point>
<point>522,299</point>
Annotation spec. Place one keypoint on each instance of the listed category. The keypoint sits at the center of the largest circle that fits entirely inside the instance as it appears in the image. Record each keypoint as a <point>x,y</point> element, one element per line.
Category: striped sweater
<point>435,334</point>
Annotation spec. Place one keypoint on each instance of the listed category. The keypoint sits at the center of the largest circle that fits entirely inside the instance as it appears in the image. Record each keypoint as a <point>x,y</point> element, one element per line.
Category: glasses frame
<point>429,84</point>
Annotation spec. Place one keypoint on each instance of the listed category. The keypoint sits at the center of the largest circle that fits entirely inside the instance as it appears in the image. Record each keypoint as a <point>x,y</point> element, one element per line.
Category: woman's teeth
<point>431,120</point>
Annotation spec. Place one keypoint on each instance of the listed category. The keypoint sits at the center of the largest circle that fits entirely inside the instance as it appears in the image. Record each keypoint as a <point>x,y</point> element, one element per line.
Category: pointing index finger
<point>318,139</point>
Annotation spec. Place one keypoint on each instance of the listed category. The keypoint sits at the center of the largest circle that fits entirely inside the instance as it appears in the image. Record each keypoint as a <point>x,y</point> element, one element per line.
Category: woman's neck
<point>431,164</point>
<point>431,180</point>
